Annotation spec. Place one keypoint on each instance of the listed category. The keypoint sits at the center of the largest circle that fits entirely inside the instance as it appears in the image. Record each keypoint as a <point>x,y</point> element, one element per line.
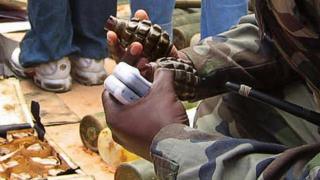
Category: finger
<point>146,69</point>
<point>163,81</point>
<point>116,51</point>
<point>141,14</point>
<point>110,104</point>
<point>174,52</point>
<point>133,54</point>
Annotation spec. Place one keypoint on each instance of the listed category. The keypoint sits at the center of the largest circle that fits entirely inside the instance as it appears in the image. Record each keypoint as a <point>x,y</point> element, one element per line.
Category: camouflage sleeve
<point>238,55</point>
<point>180,152</point>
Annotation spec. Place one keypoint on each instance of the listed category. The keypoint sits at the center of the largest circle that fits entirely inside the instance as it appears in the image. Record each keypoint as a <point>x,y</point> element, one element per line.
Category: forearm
<point>237,55</point>
<point>184,153</point>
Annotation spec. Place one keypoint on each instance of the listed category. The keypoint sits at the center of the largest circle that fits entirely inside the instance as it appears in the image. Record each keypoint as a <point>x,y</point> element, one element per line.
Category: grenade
<point>156,42</point>
<point>186,78</point>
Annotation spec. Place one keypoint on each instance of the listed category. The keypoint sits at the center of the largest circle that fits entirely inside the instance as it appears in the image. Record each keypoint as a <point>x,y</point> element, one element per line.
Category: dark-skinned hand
<point>135,125</point>
<point>133,55</point>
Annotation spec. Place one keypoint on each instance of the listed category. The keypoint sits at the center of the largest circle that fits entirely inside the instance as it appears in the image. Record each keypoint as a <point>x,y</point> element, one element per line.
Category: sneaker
<point>54,76</point>
<point>88,71</point>
<point>16,67</point>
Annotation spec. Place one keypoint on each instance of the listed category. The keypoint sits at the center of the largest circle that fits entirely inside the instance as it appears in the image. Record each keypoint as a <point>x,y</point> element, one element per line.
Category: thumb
<point>110,105</point>
<point>163,81</point>
<point>133,54</point>
<point>141,14</point>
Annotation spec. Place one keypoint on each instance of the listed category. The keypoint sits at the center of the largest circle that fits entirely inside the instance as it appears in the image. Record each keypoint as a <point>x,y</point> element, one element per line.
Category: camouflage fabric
<point>294,27</point>
<point>238,55</point>
<point>217,149</point>
<point>193,154</point>
<point>240,117</point>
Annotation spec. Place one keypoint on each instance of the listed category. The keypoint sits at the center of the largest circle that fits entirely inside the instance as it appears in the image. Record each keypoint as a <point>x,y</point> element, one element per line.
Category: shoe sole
<point>56,85</point>
<point>89,78</point>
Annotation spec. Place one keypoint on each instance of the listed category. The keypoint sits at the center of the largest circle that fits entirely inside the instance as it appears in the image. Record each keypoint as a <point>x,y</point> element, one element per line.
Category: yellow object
<point>111,152</point>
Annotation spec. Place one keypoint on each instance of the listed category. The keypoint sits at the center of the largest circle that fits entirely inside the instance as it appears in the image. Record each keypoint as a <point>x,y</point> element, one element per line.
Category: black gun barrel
<point>306,114</point>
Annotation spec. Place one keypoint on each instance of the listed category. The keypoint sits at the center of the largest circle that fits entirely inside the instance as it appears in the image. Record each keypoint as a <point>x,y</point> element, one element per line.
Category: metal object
<point>188,4</point>
<point>177,11</point>
<point>195,39</point>
<point>183,34</point>
<point>136,170</point>
<point>155,41</point>
<point>5,128</point>
<point>306,114</point>
<point>111,152</point>
<point>186,19</point>
<point>90,127</point>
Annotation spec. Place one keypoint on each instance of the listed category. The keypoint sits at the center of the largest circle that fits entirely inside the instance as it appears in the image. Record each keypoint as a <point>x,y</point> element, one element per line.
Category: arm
<point>237,55</point>
<point>185,153</point>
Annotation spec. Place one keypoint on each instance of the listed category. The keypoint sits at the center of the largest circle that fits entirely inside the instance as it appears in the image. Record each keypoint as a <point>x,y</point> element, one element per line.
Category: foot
<point>54,76</point>
<point>88,71</point>
<point>16,67</point>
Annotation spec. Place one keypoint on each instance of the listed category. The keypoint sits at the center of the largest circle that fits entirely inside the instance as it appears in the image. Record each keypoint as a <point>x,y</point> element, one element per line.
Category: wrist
<point>185,59</point>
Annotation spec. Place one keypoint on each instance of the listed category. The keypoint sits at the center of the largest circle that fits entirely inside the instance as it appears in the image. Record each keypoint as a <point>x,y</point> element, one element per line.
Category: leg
<point>219,15</point>
<point>88,19</point>
<point>159,11</point>
<point>51,32</point>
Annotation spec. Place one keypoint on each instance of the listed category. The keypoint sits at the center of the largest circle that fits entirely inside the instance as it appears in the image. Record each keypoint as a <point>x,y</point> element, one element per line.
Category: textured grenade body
<point>156,42</point>
<point>186,78</point>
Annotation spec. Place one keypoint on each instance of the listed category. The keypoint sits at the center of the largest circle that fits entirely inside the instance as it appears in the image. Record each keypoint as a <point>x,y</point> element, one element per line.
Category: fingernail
<point>110,42</point>
<point>134,51</point>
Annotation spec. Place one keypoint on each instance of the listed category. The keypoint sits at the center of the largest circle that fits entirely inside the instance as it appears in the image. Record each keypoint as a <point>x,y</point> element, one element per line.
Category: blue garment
<point>63,27</point>
<point>219,15</point>
<point>159,11</point>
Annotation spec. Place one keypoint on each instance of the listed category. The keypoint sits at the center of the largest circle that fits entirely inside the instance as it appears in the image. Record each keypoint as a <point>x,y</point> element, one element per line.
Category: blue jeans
<point>159,11</point>
<point>63,27</point>
<point>219,15</point>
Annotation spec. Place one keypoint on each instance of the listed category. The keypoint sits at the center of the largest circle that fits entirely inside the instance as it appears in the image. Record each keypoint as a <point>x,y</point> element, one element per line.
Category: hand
<point>135,125</point>
<point>133,55</point>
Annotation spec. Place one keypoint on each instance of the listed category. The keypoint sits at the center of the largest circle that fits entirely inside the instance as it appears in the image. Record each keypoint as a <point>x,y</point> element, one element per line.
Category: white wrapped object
<point>131,77</point>
<point>126,84</point>
<point>119,90</point>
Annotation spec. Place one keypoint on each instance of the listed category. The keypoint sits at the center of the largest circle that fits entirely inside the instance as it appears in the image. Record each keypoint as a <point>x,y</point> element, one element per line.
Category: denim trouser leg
<point>89,18</point>
<point>219,15</point>
<point>159,11</point>
<point>50,37</point>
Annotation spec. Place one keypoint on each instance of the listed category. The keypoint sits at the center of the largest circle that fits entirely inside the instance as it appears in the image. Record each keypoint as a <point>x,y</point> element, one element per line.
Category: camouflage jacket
<point>238,55</point>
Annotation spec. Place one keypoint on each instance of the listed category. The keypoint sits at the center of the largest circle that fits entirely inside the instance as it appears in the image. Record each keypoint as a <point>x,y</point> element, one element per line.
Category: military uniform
<point>279,54</point>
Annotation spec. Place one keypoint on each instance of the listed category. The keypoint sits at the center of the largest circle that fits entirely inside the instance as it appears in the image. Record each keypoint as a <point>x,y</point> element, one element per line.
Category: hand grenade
<point>186,78</point>
<point>156,42</point>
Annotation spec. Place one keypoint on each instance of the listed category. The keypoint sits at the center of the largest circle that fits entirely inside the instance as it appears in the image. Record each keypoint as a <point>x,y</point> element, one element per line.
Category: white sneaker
<point>16,67</point>
<point>88,71</point>
<point>54,76</point>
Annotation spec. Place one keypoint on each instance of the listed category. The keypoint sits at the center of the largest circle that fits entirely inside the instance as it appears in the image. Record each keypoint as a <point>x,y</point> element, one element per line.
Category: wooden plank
<point>67,137</point>
<point>81,100</point>
<point>13,109</point>
<point>53,111</point>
